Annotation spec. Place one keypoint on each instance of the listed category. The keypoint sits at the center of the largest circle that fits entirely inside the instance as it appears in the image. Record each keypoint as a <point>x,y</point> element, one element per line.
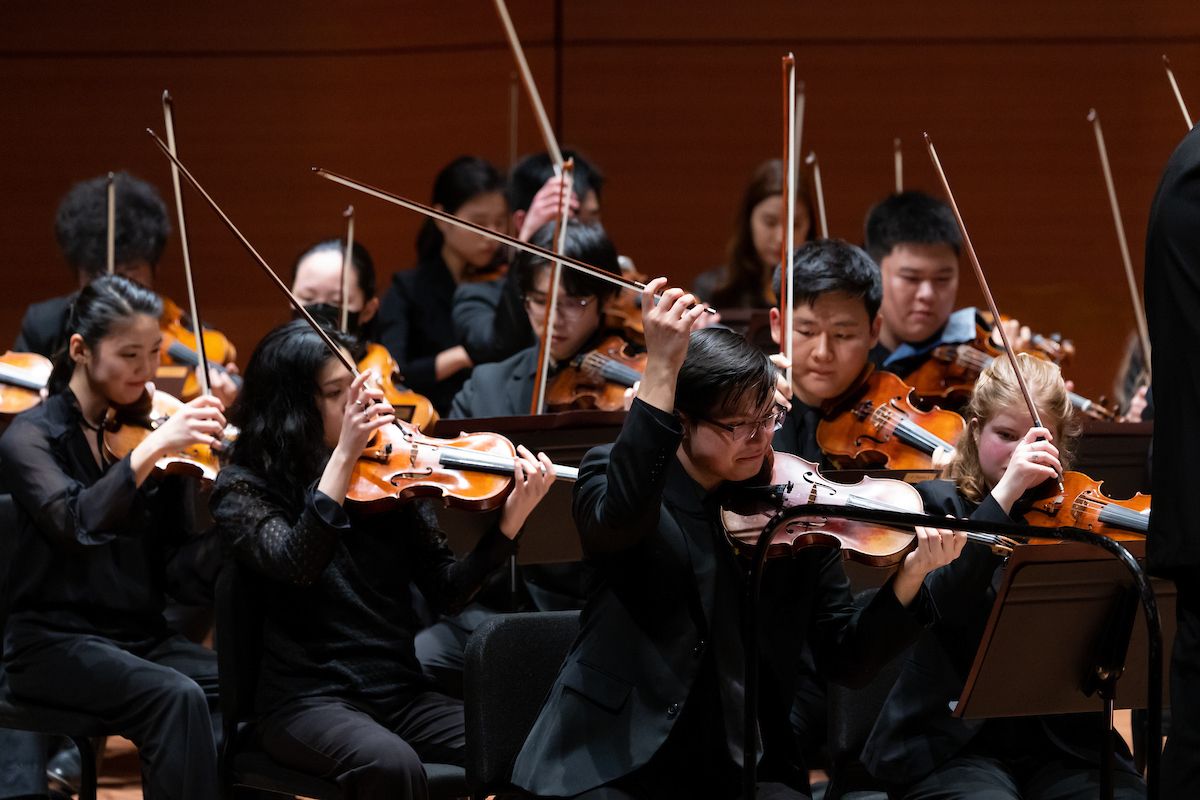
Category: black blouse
<point>92,552</point>
<point>415,324</point>
<point>339,612</point>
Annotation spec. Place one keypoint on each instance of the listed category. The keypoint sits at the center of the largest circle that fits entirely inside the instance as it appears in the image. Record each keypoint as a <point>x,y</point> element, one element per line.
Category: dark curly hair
<point>81,224</point>
<point>276,412</point>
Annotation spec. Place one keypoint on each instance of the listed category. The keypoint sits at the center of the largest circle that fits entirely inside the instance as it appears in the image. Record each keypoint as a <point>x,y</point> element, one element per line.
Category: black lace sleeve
<point>260,531</point>
<point>446,582</point>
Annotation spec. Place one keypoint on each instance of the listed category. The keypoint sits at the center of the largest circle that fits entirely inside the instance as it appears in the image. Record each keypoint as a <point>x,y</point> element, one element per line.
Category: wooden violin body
<point>948,376</point>
<point>409,406</point>
<point>1081,504</point>
<point>127,428</point>
<point>179,347</point>
<point>798,482</point>
<point>597,378</point>
<point>877,425</point>
<point>472,471</point>
<point>23,378</point>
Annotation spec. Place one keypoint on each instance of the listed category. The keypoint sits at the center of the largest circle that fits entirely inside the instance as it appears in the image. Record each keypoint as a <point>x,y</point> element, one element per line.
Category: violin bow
<point>258,259</point>
<point>1187,118</point>
<point>788,257</point>
<point>983,284</point>
<point>819,190</point>
<point>1139,313</point>
<point>346,263</point>
<point>531,89</point>
<point>487,233</point>
<point>898,161</point>
<point>538,405</point>
<point>110,233</point>
<point>168,106</point>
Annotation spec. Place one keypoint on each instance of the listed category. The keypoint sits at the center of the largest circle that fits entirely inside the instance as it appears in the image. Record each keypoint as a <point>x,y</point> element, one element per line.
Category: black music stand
<point>1062,624</point>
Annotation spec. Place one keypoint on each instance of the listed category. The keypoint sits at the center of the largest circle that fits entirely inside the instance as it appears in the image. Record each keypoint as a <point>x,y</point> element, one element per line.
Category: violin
<point>623,311</point>
<point>597,378</point>
<point>1081,504</point>
<point>409,406</point>
<point>179,347</point>
<point>126,428</point>
<point>796,482</point>
<point>399,463</point>
<point>473,472</point>
<point>948,376</point>
<point>876,425</point>
<point>23,378</point>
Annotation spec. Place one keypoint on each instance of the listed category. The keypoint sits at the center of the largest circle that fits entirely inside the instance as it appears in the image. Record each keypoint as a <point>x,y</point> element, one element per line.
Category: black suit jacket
<point>915,732</point>
<point>44,326</point>
<point>415,325</point>
<point>1173,316</point>
<point>646,625</point>
<point>502,389</point>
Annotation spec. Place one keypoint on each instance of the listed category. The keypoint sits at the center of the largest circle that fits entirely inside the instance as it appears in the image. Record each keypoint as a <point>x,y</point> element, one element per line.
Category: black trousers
<point>981,777</point>
<point>367,753</point>
<point>160,695</point>
<point>1181,758</point>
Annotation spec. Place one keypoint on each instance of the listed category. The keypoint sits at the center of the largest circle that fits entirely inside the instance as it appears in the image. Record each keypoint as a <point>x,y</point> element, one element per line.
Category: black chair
<point>20,715</point>
<point>511,662</point>
<point>239,653</point>
<point>852,714</point>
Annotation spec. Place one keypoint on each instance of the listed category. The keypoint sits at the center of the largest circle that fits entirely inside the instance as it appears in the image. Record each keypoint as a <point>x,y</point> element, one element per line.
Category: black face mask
<point>331,315</point>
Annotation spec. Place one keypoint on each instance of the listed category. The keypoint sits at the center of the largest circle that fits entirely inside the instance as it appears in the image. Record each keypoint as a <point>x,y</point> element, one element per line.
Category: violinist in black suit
<point>649,701</point>
<point>1173,545</point>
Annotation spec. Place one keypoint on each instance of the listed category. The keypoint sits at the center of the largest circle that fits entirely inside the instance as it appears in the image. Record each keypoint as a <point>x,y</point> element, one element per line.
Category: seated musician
<point>317,283</point>
<point>835,306</point>
<point>341,693</point>
<point>745,279</point>
<point>99,540</point>
<point>81,229</point>
<point>415,314</point>
<point>505,388</point>
<point>489,316</point>
<point>648,703</point>
<point>917,746</point>
<point>915,240</point>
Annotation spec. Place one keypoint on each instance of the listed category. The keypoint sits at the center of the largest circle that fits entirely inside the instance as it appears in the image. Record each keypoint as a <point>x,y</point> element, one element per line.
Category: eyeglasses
<point>570,307</point>
<point>747,431</point>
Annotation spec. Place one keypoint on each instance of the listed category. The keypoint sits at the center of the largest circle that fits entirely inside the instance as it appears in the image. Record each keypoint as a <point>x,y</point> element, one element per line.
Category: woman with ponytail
<point>98,543</point>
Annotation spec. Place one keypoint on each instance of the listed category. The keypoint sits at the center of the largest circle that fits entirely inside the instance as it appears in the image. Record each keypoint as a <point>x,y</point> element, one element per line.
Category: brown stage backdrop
<point>677,102</point>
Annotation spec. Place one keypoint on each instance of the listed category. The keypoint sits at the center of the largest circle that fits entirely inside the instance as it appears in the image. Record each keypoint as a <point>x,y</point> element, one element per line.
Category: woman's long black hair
<point>281,432</point>
<point>463,179</point>
<point>98,308</point>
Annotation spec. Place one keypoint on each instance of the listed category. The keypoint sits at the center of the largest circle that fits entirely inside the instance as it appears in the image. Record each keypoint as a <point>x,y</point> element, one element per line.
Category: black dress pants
<point>981,777</point>
<point>1181,758</point>
<point>22,763</point>
<point>369,754</point>
<point>157,694</point>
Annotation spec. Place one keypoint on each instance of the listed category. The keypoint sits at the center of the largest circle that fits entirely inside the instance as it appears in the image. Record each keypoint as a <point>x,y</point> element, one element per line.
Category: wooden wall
<point>676,102</point>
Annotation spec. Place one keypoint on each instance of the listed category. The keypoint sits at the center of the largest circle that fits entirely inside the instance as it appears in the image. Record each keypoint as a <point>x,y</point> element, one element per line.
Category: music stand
<point>1062,623</point>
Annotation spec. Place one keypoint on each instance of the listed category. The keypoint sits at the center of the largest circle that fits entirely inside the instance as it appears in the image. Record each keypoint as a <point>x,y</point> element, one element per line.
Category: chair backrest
<point>511,662</point>
<point>852,714</point>
<point>239,617</point>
